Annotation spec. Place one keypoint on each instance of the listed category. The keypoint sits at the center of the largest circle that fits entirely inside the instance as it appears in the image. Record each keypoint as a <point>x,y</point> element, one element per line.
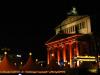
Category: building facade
<point>73,42</point>
<point>81,22</point>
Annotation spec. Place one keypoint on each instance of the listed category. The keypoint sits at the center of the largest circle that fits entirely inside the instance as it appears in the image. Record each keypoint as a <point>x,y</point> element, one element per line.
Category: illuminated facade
<point>81,22</point>
<point>73,38</point>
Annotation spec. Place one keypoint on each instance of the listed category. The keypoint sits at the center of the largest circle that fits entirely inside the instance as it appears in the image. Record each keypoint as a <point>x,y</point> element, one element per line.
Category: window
<point>80,25</point>
<point>67,30</point>
<point>77,26</point>
<point>64,30</point>
<point>73,28</point>
<point>70,29</point>
<point>83,24</point>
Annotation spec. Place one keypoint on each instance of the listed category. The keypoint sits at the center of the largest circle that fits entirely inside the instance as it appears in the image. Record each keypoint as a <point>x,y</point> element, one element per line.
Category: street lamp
<point>36,60</point>
<point>5,53</point>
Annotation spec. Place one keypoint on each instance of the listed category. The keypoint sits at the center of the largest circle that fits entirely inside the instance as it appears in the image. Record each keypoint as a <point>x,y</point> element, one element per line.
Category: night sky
<point>28,25</point>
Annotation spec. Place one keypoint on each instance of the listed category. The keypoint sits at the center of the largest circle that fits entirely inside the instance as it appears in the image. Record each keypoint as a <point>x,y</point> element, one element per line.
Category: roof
<point>71,19</point>
<point>6,66</point>
<point>28,65</point>
<point>59,36</point>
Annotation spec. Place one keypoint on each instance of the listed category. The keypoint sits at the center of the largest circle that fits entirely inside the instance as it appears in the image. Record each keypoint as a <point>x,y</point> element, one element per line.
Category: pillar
<point>70,48</point>
<point>64,53</point>
<point>58,55</point>
<point>53,54</point>
<point>77,52</point>
<point>48,57</point>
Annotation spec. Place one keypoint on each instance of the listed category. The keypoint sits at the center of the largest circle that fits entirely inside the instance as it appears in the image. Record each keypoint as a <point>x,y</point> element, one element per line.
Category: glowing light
<point>36,60</point>
<point>15,64</point>
<point>41,64</point>
<point>52,54</point>
<point>93,70</point>
<point>85,56</point>
<point>98,56</point>
<point>33,72</point>
<point>9,72</point>
<point>86,59</point>
<point>30,53</point>
<point>5,53</point>
<point>19,74</point>
<point>78,63</point>
<point>62,40</point>
<point>57,72</point>
<point>48,57</point>
<point>65,61</point>
<point>68,62</point>
<point>21,63</point>
<point>18,55</point>
<point>45,72</point>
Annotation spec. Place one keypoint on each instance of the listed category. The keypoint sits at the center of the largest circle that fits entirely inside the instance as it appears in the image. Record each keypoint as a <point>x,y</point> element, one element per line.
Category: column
<point>48,57</point>
<point>64,52</point>
<point>77,52</point>
<point>53,54</point>
<point>70,48</point>
<point>58,55</point>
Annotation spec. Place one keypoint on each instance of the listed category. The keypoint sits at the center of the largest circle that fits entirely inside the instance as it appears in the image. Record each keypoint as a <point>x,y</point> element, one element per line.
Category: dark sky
<point>30,24</point>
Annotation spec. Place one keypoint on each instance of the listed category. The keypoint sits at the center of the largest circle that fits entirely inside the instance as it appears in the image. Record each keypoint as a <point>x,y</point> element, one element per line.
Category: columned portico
<point>68,34</point>
<point>66,49</point>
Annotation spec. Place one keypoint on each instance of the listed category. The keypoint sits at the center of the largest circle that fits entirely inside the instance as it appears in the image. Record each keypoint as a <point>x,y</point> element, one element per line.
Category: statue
<point>72,12</point>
